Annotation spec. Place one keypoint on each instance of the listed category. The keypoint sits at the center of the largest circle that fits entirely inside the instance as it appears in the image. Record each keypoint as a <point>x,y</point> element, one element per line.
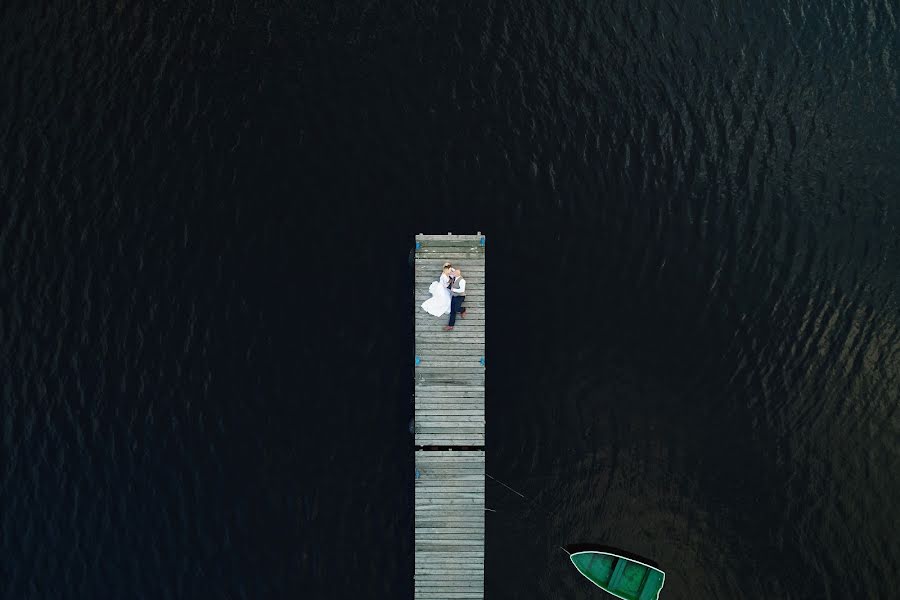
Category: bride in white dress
<point>439,303</point>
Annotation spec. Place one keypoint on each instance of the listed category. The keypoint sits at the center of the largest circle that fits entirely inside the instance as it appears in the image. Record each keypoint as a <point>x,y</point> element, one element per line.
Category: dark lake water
<point>206,213</point>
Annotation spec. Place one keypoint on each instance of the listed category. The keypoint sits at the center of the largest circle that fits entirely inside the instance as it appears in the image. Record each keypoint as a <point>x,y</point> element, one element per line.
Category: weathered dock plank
<point>449,412</point>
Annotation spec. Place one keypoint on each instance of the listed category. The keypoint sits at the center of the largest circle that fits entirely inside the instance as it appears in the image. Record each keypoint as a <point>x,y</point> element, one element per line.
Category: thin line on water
<point>506,486</point>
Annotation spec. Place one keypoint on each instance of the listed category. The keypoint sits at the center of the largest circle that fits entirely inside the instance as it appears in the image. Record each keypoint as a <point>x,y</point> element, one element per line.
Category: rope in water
<point>524,497</point>
<point>506,486</point>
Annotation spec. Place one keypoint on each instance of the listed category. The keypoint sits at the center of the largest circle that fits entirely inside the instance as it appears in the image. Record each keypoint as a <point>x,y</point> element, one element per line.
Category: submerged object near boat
<point>622,577</point>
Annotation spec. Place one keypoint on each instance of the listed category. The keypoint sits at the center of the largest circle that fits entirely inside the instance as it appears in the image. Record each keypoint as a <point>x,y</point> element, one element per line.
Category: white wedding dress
<point>439,303</point>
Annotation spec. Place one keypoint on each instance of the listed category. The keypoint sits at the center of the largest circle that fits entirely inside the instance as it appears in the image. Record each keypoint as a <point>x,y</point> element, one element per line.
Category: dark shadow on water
<point>586,547</point>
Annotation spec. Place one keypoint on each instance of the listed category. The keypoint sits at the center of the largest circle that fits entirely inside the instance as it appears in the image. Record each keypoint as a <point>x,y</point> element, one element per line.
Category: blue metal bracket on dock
<point>418,361</point>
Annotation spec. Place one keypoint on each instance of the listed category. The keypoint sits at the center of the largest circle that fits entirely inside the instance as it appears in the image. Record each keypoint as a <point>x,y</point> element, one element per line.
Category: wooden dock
<point>449,426</point>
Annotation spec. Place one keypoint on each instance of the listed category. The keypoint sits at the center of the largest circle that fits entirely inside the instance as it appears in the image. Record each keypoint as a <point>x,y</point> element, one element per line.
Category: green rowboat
<point>622,577</point>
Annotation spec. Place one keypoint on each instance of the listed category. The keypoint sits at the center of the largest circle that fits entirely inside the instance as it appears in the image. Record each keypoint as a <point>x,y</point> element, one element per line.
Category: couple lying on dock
<point>447,295</point>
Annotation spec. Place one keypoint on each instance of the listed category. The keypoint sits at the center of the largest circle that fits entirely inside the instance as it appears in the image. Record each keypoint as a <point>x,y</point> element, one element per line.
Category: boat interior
<point>622,577</point>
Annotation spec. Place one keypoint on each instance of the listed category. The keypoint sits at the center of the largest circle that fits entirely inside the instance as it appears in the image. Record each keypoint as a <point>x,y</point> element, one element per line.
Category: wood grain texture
<point>449,411</point>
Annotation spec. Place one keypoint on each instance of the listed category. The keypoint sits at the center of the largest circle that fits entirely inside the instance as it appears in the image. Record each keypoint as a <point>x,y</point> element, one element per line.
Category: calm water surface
<point>694,251</point>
